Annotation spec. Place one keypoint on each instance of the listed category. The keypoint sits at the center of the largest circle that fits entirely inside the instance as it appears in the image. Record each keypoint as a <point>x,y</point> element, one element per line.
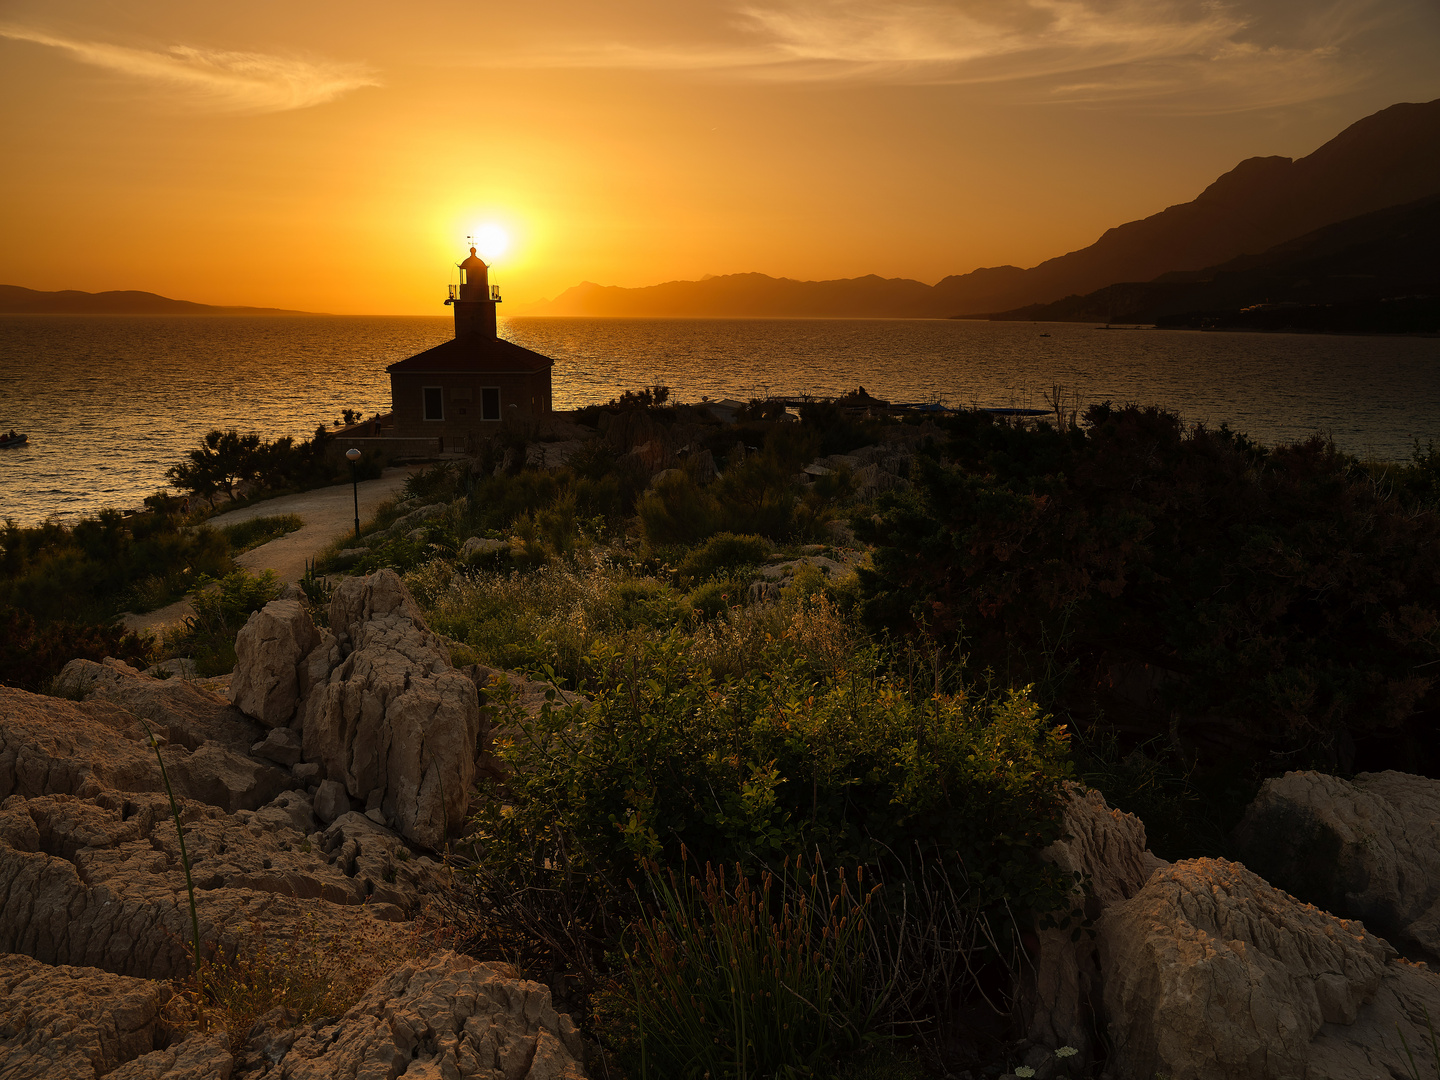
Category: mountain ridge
<point>1389,158</point>
<point>18,300</point>
<point>1373,273</point>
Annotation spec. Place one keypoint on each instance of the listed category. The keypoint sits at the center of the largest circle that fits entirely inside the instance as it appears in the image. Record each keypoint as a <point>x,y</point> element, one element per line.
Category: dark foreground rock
<point>1201,970</point>
<point>1367,848</point>
<point>445,1016</point>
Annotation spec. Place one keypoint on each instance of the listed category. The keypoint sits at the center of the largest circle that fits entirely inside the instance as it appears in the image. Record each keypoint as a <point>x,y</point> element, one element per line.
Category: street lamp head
<point>353,455</point>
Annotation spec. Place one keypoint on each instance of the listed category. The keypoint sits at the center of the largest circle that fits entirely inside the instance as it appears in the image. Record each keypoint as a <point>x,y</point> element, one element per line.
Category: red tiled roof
<point>456,357</point>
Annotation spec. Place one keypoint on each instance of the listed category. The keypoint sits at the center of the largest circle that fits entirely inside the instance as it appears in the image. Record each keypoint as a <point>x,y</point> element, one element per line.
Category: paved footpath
<point>327,513</point>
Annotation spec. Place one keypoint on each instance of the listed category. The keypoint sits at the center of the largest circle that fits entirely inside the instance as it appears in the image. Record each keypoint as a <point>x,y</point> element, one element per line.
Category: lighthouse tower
<point>474,301</point>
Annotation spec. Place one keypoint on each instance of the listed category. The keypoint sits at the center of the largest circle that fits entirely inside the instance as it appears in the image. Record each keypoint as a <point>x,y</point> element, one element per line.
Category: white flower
<point>1024,1070</point>
<point>1066,1051</point>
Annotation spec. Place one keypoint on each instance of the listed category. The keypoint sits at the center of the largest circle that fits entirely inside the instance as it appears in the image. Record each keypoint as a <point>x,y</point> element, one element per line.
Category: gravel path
<point>327,513</point>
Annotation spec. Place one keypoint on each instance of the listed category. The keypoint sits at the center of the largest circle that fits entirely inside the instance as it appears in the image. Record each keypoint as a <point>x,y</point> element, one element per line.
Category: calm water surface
<point>110,401</point>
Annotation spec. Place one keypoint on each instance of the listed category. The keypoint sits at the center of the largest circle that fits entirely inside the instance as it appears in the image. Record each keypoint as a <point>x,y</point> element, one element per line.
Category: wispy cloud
<point>1195,53</point>
<point>216,79</point>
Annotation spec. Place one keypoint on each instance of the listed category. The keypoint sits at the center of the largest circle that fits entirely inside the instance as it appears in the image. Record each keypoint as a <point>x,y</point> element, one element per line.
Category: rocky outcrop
<point>1060,993</point>
<point>67,1023</point>
<point>1367,848</point>
<point>190,713</point>
<point>393,721</point>
<point>478,546</point>
<point>1211,974</point>
<point>268,651</point>
<point>200,1057</point>
<point>49,745</point>
<point>99,882</point>
<point>447,1016</point>
<point>442,1016</point>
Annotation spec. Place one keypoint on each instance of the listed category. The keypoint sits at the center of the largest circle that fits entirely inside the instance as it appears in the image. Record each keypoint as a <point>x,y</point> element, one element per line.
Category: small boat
<point>13,440</point>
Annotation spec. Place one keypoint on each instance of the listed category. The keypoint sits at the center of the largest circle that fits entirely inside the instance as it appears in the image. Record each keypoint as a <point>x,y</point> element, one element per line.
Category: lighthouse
<point>460,392</point>
<point>474,300</point>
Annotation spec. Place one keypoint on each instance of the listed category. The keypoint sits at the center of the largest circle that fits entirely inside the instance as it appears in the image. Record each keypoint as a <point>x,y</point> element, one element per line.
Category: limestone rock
<point>331,801</point>
<point>479,545</point>
<point>1209,972</point>
<point>70,1023</point>
<point>268,650</point>
<point>189,711</point>
<point>394,714</point>
<point>777,571</point>
<point>217,775</point>
<point>50,745</point>
<point>281,746</point>
<point>99,882</point>
<point>200,1057</point>
<point>379,863</point>
<point>1367,848</point>
<point>447,1016</point>
<point>1105,850</point>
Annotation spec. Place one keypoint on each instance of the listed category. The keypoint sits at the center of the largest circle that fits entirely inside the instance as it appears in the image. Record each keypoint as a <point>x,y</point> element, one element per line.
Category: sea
<point>109,402</point>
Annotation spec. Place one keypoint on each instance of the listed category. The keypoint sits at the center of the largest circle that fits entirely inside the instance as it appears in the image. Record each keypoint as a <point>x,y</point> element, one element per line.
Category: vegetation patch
<point>247,535</point>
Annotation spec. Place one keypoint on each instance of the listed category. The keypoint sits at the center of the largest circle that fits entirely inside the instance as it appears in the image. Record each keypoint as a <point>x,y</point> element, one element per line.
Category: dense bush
<point>779,759</point>
<point>32,655</point>
<point>1176,578</point>
<point>102,565</point>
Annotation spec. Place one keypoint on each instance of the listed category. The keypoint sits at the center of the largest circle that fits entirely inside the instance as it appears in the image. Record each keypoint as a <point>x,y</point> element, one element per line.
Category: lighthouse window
<point>434,403</point>
<point>490,403</point>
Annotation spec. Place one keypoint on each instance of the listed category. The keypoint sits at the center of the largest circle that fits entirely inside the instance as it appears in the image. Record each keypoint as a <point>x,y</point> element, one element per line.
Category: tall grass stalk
<point>184,855</point>
<point>1410,1054</point>
<point>739,979</point>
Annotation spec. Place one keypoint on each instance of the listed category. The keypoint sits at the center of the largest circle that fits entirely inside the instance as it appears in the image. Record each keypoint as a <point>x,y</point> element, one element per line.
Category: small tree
<point>222,460</point>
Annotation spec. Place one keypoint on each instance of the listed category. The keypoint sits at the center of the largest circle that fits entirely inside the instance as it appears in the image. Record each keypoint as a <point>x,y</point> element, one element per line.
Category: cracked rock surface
<point>1367,848</point>
<point>393,716</point>
<point>446,1016</point>
<point>1212,974</point>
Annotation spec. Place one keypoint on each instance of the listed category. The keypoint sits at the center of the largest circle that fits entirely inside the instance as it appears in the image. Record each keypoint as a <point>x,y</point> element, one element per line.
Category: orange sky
<point>332,157</point>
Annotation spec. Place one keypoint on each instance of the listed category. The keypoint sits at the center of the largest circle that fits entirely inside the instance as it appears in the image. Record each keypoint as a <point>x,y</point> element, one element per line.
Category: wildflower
<point>1066,1051</point>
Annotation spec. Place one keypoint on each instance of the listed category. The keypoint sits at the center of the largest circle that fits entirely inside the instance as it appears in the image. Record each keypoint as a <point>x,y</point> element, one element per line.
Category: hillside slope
<point>1387,159</point>
<point>15,300</point>
<point>1378,271</point>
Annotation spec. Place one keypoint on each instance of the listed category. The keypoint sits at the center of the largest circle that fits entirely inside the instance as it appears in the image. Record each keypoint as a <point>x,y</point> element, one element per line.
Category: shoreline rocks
<point>94,908</point>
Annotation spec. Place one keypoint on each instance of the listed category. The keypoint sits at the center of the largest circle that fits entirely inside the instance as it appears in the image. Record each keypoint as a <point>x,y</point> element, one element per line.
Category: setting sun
<point>491,241</point>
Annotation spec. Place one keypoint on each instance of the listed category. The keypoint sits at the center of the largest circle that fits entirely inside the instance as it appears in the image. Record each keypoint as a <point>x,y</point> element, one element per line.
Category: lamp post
<point>354,455</point>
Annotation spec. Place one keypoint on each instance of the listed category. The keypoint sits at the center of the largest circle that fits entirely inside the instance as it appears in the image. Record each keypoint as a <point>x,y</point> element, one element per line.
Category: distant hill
<point>1376,272</point>
<point>15,300</point>
<point>1387,159</point>
<point>756,295</point>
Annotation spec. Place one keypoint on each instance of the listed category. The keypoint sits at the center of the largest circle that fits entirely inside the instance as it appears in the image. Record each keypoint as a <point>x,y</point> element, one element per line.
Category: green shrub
<point>32,655</point>
<point>715,597</point>
<point>1260,601</point>
<point>724,554</point>
<point>676,511</point>
<point>221,609</point>
<point>756,767</point>
<point>246,535</point>
<point>94,569</point>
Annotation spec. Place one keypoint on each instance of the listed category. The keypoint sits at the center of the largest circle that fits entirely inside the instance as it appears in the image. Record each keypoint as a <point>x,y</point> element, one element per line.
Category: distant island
<point>1389,159</point>
<point>15,300</point>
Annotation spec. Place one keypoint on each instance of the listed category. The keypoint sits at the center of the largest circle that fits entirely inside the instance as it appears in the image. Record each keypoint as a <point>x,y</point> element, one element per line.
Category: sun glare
<point>491,241</point>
